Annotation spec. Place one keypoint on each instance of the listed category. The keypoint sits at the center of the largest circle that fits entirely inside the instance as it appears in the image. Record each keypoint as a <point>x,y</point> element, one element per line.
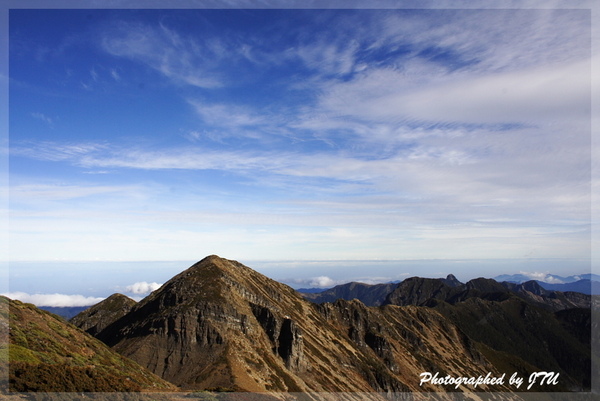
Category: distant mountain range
<point>376,294</point>
<point>549,278</point>
<point>221,326</point>
<point>449,289</point>
<point>66,312</point>
<point>584,286</point>
<point>584,283</point>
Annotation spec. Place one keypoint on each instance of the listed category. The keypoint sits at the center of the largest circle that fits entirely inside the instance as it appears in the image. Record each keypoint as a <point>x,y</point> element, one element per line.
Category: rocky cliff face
<point>403,342</point>
<point>220,324</point>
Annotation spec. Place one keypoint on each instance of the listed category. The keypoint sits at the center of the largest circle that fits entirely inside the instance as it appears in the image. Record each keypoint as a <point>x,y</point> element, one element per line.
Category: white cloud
<point>544,277</point>
<point>322,282</point>
<point>491,40</point>
<point>508,182</point>
<point>534,96</point>
<point>315,282</point>
<point>328,282</point>
<point>531,96</point>
<point>58,300</point>
<point>188,158</point>
<point>328,58</point>
<point>142,287</point>
<point>91,155</point>
<point>232,116</point>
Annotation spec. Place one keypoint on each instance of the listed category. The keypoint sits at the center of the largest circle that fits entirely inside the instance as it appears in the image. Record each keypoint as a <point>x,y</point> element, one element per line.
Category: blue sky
<point>169,135</point>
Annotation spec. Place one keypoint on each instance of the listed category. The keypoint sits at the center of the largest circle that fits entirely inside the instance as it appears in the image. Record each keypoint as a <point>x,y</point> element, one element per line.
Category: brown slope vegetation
<point>45,353</point>
<point>219,324</point>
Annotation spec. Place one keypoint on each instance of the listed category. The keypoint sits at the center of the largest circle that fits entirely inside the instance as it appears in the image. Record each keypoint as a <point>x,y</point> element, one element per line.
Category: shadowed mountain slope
<point>550,341</point>
<point>370,295</point>
<point>221,324</point>
<point>97,317</point>
<point>417,291</point>
<point>48,354</point>
<point>420,291</point>
<point>546,329</point>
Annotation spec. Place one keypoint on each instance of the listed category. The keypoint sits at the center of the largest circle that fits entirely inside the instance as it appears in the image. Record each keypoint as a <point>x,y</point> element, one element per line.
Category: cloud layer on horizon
<point>55,300</point>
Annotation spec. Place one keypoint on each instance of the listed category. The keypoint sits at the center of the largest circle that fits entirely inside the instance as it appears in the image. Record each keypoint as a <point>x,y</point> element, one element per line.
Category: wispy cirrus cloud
<point>53,151</point>
<point>337,165</point>
<point>59,192</point>
<point>229,115</point>
<point>408,127</point>
<point>420,186</point>
<point>183,59</point>
<point>44,118</point>
<point>490,41</point>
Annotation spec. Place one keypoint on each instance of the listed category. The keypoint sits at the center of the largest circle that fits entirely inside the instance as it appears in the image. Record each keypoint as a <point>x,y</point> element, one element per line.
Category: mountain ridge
<point>451,288</point>
<point>221,324</point>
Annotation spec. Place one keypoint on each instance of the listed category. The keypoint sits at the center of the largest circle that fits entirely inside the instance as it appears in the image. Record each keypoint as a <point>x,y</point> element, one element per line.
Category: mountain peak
<point>216,310</point>
<point>452,281</point>
<point>97,317</point>
<point>216,263</point>
<point>214,259</point>
<point>222,324</point>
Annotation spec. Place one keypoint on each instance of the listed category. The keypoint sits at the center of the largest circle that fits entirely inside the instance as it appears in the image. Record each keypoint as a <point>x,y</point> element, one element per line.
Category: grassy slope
<point>45,353</point>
